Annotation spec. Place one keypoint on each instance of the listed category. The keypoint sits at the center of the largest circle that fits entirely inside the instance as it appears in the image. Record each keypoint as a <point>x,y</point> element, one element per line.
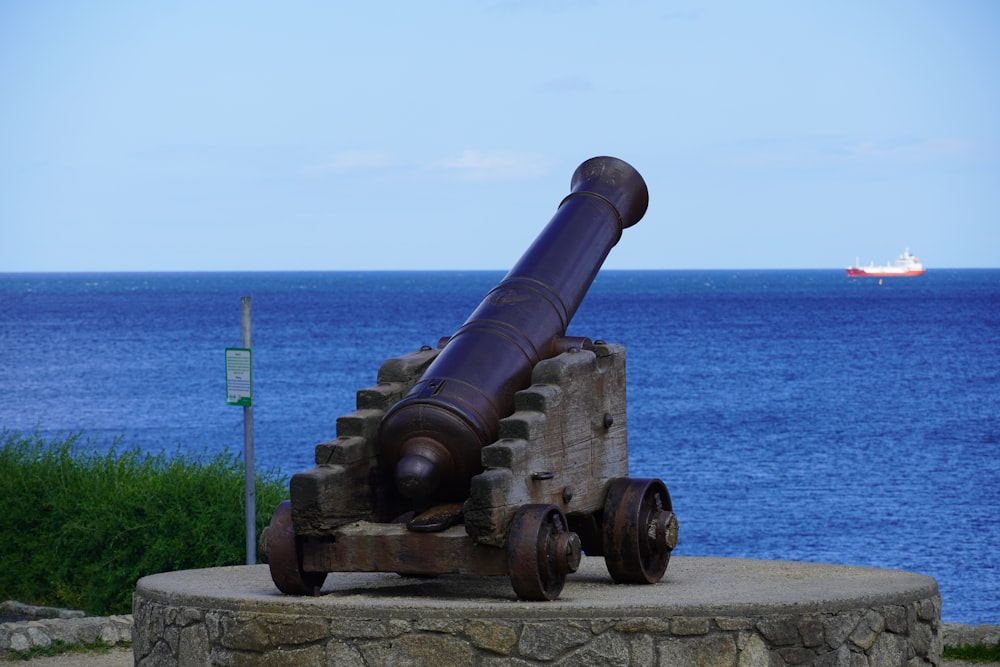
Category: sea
<point>793,414</point>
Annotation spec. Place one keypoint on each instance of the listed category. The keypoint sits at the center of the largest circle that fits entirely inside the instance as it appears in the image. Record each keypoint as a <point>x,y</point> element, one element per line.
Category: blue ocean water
<point>795,415</point>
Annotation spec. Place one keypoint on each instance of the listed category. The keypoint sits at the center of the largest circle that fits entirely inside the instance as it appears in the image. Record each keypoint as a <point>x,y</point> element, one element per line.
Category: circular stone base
<point>707,611</point>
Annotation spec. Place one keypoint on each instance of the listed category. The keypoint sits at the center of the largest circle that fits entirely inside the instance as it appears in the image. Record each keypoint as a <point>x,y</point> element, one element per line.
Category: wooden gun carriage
<point>503,451</point>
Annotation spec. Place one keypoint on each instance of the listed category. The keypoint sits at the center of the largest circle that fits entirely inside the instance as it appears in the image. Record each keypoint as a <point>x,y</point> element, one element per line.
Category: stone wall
<point>26,635</point>
<point>956,634</point>
<point>906,634</point>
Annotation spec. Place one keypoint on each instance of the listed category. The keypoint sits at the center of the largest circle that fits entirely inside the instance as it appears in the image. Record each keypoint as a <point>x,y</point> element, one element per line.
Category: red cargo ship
<point>906,265</point>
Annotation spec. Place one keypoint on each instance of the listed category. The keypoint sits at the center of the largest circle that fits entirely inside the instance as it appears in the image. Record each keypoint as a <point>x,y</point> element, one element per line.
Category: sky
<point>442,135</point>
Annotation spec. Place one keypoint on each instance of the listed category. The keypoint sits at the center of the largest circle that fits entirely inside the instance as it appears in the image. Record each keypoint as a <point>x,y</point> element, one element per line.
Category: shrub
<point>974,653</point>
<point>78,528</point>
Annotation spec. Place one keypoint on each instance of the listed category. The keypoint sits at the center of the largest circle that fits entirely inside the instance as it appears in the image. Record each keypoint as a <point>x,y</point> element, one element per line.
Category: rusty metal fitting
<point>662,530</point>
<point>568,552</point>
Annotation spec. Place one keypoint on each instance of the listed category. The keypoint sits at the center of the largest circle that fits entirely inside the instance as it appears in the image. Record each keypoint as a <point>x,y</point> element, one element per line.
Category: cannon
<point>501,451</point>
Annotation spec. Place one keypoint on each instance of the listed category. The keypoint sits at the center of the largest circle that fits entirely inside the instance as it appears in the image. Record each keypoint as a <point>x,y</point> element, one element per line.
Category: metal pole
<point>250,485</point>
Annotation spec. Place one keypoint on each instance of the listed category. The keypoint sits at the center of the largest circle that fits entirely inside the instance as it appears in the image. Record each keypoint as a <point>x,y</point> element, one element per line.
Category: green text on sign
<point>239,384</point>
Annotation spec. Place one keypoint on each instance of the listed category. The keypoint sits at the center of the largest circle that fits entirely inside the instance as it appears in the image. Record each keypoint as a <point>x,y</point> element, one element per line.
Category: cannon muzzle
<point>430,441</point>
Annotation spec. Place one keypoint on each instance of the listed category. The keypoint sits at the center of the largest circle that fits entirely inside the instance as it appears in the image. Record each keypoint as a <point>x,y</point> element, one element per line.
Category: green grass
<point>79,528</point>
<point>978,653</point>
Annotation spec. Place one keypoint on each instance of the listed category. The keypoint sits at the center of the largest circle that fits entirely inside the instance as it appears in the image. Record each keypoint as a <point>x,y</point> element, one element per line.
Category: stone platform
<point>706,611</point>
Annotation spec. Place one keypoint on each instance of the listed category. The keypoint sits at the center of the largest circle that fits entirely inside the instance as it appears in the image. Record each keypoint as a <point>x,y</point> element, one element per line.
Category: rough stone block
<point>888,649</point>
<point>895,618</point>
<point>38,637</point>
<point>867,629</point>
<point>710,651</point>
<point>922,640</point>
<point>159,655</point>
<point>642,650</point>
<point>420,649</point>
<point>341,654</point>
<point>500,638</point>
<point>19,641</point>
<point>682,626</point>
<point>194,649</point>
<point>446,625</point>
<point>368,628</point>
<point>929,610</point>
<point>646,625</point>
<point>607,649</point>
<point>838,627</point>
<point>779,631</point>
<point>811,632</point>
<point>296,656</point>
<point>251,632</point>
<point>185,616</point>
<point>546,641</point>
<point>796,655</point>
<point>734,623</point>
<point>754,653</point>
<point>841,657</point>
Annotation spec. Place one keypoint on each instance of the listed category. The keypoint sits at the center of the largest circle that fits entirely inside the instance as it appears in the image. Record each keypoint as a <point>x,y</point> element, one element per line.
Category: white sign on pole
<point>239,381</point>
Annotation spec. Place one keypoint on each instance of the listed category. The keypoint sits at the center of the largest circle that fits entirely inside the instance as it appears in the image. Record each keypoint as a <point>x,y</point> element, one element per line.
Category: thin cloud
<point>914,151</point>
<point>473,165</point>
<point>567,84</point>
<point>363,159</point>
<point>682,15</point>
<point>809,152</point>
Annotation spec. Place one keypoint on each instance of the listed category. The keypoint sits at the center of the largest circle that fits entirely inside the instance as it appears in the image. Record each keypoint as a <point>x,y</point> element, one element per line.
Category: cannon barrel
<point>430,441</point>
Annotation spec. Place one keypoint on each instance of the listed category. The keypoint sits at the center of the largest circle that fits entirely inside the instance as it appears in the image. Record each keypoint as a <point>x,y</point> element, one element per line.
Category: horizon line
<point>459,270</point>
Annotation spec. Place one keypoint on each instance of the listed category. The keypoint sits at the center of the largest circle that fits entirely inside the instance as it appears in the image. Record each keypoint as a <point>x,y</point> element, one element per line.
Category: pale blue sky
<point>140,136</point>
